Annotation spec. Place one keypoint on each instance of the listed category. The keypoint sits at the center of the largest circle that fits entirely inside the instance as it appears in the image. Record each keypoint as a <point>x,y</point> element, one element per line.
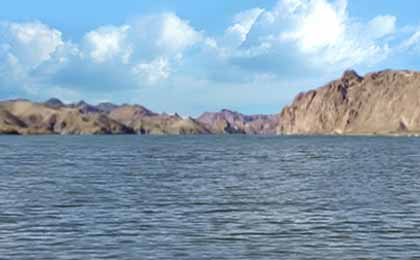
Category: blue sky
<point>191,56</point>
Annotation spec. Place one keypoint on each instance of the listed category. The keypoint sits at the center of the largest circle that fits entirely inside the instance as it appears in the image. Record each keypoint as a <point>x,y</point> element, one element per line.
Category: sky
<point>191,56</point>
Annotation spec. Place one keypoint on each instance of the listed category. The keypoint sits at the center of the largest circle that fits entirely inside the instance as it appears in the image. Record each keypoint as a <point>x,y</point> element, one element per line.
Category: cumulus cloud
<point>139,53</point>
<point>106,43</point>
<point>314,24</point>
<point>30,43</point>
<point>162,35</point>
<point>303,36</point>
<point>154,71</point>
<point>143,50</point>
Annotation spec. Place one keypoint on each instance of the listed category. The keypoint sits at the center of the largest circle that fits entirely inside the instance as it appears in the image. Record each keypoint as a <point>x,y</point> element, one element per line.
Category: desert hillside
<point>231,122</point>
<point>385,103</point>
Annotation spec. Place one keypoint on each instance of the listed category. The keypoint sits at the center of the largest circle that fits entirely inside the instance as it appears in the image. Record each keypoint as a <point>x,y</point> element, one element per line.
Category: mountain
<point>384,103</point>
<point>106,107</point>
<point>231,122</point>
<point>25,117</point>
<point>54,103</point>
<point>144,121</point>
<point>84,107</point>
<point>55,117</point>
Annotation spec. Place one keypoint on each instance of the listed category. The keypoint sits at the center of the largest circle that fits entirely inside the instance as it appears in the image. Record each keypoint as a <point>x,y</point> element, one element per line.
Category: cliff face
<point>386,102</point>
<point>230,122</point>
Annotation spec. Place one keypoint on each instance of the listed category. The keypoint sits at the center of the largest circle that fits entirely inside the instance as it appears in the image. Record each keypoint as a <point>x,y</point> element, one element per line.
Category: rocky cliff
<point>384,103</point>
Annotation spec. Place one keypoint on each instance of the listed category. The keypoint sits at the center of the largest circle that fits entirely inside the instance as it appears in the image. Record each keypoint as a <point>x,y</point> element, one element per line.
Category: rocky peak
<point>85,107</point>
<point>106,106</point>
<point>350,77</point>
<point>227,111</point>
<point>82,103</point>
<point>54,103</point>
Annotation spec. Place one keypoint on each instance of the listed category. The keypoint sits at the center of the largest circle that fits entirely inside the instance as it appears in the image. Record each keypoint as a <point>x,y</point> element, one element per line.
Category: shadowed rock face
<point>386,102</point>
<point>230,122</point>
<point>10,124</point>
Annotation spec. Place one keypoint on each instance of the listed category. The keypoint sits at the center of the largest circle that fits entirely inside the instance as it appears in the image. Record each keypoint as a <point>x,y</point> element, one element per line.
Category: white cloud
<point>413,42</point>
<point>237,33</point>
<point>145,51</point>
<point>317,24</point>
<point>31,43</point>
<point>24,47</point>
<point>162,35</point>
<point>106,43</point>
<point>154,71</point>
<point>176,34</point>
<point>300,36</point>
<point>381,26</point>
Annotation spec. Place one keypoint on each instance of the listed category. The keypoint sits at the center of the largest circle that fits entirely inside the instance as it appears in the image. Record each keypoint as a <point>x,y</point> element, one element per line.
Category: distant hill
<point>54,117</point>
<point>25,117</point>
<point>230,122</point>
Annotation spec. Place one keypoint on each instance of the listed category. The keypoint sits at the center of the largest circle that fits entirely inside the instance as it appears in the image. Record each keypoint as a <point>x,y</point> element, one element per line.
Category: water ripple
<point>209,197</point>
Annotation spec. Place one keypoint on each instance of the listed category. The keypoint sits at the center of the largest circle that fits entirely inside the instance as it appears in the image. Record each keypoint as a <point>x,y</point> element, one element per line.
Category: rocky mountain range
<point>54,117</point>
<point>383,103</point>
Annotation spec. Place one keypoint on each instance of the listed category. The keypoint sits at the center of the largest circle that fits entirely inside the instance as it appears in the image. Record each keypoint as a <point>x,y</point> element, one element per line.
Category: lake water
<point>209,197</point>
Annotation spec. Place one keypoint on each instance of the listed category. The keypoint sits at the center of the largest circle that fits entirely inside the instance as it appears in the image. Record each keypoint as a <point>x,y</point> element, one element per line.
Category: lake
<point>209,197</point>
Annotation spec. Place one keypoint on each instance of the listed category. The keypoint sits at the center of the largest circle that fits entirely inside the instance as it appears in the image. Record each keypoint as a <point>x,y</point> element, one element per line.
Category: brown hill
<point>25,117</point>
<point>230,122</point>
<point>144,121</point>
<point>384,103</point>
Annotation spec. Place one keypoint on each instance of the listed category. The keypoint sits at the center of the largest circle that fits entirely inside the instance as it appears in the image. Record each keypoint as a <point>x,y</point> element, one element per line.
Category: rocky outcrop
<point>230,122</point>
<point>10,124</point>
<point>384,103</point>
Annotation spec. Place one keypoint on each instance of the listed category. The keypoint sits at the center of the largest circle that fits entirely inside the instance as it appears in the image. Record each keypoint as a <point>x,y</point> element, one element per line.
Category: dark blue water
<point>209,197</point>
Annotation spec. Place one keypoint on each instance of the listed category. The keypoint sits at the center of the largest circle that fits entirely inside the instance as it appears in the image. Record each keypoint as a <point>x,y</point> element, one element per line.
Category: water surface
<point>209,197</point>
